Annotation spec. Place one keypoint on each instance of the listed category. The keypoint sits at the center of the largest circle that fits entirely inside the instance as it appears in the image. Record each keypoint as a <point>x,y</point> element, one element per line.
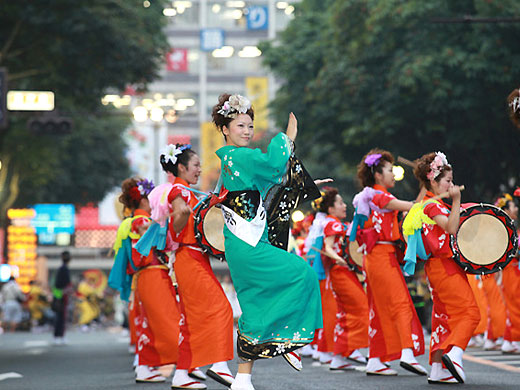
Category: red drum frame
<point>486,240</point>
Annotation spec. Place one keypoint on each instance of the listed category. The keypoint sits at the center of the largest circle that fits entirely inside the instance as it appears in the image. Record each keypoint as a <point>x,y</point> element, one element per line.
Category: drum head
<point>213,227</point>
<point>482,228</point>
<point>486,240</point>
<point>357,257</point>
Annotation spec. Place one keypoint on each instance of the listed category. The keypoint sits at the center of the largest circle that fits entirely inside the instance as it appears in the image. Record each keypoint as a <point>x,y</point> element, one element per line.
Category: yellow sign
<point>21,245</point>
<point>257,89</point>
<point>210,140</point>
<point>30,101</point>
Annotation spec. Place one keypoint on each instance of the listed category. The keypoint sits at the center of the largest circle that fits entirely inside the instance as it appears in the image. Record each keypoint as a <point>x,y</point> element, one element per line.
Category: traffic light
<point>50,124</point>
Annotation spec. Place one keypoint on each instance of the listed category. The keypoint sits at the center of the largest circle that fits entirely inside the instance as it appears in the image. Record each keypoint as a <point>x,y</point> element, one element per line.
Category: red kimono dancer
<point>455,314</point>
<point>395,330</point>
<point>207,317</point>
<point>325,336</point>
<point>496,312</point>
<point>351,331</point>
<point>157,325</point>
<point>510,289</point>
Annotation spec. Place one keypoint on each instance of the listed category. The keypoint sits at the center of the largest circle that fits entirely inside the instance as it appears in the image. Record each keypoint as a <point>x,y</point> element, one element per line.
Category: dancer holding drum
<point>455,312</point>
<point>278,291</point>
<point>395,330</point>
<point>206,327</point>
<point>510,287</point>
<point>351,331</point>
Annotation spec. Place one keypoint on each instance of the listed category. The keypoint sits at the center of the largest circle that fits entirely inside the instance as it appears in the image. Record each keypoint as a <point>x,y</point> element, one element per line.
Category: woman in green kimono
<point>278,292</point>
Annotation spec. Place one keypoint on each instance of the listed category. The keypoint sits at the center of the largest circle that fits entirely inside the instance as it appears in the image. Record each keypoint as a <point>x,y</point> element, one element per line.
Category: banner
<point>210,141</point>
<point>257,90</point>
<point>177,60</point>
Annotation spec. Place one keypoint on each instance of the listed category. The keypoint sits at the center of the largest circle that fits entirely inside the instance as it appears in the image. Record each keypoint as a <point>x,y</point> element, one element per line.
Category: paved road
<point>100,360</point>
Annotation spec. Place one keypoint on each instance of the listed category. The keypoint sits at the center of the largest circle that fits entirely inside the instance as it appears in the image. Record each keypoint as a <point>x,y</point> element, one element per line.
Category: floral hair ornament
<point>145,187</point>
<point>236,104</point>
<point>171,152</point>
<point>372,160</point>
<point>515,104</point>
<point>437,164</point>
<point>135,194</point>
<point>502,202</point>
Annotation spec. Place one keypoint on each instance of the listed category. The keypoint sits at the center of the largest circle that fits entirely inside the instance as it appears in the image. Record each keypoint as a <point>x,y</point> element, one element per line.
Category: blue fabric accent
<point>155,236</point>
<point>314,258</point>
<point>358,222</point>
<point>414,248</point>
<point>118,278</point>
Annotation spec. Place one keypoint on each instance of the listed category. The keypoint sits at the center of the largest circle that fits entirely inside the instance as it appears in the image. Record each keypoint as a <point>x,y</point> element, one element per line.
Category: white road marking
<point>9,375</point>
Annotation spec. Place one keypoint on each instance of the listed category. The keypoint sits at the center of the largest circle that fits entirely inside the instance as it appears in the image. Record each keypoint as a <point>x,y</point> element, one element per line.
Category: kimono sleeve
<point>334,228</point>
<point>382,199</point>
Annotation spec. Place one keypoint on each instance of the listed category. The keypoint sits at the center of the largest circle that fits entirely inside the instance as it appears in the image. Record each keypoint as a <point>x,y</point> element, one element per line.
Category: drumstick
<point>405,161</point>
<point>445,194</point>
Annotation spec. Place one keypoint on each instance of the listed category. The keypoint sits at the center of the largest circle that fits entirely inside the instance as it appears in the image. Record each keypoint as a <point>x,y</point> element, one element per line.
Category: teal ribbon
<point>118,278</point>
<point>415,248</point>
<point>155,236</point>
<point>357,222</point>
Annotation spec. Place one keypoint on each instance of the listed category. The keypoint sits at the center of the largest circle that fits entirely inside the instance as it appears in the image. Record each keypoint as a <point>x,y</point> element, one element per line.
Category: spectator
<point>61,290</point>
<point>12,307</point>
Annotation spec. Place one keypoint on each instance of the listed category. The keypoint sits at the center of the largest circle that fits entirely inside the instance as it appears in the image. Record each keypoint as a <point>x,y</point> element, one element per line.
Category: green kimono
<point>278,291</point>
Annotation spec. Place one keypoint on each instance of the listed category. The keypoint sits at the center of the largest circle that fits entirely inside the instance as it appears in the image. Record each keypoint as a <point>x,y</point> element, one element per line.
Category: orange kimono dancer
<point>351,331</point>
<point>157,312</point>
<point>394,324</point>
<point>455,314</point>
<point>510,288</point>
<point>207,318</point>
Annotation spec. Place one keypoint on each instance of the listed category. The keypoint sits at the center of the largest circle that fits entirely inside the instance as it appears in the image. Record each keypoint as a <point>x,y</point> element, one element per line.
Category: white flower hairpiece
<point>237,104</point>
<point>170,153</point>
<point>437,164</point>
<point>515,104</point>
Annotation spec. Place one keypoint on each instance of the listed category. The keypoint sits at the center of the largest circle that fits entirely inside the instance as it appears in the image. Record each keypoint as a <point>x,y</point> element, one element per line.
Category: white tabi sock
<point>220,367</point>
<point>242,380</point>
<point>456,354</point>
<point>407,356</point>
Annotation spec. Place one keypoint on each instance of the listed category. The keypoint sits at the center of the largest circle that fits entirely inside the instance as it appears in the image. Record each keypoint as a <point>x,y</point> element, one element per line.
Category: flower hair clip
<point>502,202</point>
<point>237,104</point>
<point>437,164</point>
<point>515,104</point>
<point>171,152</point>
<point>372,160</point>
<point>145,187</point>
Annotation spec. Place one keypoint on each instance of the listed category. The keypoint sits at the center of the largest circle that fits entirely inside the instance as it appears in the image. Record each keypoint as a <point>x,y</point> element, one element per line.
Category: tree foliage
<point>384,73</point>
<point>79,50</point>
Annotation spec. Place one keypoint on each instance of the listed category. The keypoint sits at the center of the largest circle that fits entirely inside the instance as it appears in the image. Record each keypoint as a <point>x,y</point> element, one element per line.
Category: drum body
<point>351,255</point>
<point>486,240</point>
<point>209,227</point>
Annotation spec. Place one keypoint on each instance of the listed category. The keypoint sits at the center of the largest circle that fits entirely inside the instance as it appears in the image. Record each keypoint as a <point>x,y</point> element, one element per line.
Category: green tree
<point>391,77</point>
<point>77,49</point>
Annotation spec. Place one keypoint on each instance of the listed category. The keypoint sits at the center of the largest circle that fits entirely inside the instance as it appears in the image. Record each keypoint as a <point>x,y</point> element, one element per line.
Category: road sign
<point>30,101</point>
<point>257,18</point>
<point>211,39</point>
<point>53,218</point>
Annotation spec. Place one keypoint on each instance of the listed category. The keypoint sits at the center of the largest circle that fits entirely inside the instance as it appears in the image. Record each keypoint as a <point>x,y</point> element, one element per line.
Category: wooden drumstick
<point>446,194</point>
<point>405,161</point>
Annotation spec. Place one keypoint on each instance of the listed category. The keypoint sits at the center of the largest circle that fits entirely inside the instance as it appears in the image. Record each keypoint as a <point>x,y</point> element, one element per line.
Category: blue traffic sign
<point>257,18</point>
<point>211,39</point>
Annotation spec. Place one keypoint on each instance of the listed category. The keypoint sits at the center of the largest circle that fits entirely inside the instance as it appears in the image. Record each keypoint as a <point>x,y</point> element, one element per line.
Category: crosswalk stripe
<point>500,365</point>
